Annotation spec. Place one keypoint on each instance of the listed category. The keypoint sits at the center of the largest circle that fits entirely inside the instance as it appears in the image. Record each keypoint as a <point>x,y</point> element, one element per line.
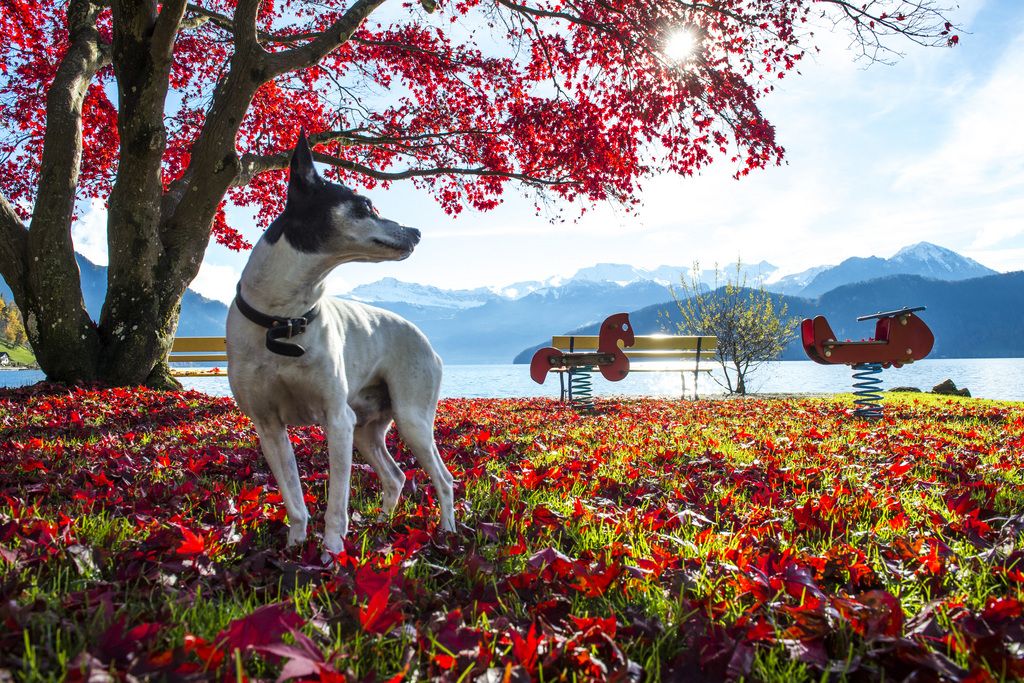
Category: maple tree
<point>169,111</point>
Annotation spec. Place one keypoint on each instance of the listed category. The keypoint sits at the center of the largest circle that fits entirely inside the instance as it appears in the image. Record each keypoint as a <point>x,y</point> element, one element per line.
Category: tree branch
<point>565,16</point>
<point>336,35</point>
<point>62,142</point>
<point>13,241</point>
<point>228,24</point>
<point>167,24</point>
<point>245,24</point>
<point>253,165</point>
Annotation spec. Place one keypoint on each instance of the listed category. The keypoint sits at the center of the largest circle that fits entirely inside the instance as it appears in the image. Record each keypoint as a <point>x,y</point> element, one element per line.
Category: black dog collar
<point>278,328</point>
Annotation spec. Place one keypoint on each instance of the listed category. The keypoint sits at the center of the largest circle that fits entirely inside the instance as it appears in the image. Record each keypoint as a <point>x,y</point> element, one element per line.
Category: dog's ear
<point>302,174</point>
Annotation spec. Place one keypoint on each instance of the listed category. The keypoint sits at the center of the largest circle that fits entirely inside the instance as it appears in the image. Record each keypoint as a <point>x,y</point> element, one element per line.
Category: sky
<point>878,157</point>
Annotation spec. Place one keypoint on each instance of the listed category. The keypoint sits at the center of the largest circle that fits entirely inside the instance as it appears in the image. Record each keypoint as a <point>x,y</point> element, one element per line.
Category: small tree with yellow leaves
<point>751,327</point>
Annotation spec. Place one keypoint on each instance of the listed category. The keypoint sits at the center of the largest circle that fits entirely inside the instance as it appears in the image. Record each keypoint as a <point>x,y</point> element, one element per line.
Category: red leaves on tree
<point>570,98</point>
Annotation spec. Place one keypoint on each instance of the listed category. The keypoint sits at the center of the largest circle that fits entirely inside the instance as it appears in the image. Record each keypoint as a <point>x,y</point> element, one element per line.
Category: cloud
<point>216,282</point>
<point>982,151</point>
<point>89,233</point>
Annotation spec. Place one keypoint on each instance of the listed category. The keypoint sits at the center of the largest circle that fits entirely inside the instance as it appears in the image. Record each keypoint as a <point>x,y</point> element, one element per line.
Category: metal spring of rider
<point>869,395</point>
<point>581,388</point>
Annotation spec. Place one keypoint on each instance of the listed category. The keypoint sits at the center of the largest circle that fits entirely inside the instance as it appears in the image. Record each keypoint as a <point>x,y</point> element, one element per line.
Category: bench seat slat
<point>643,343</point>
<point>668,355</point>
<point>199,344</point>
<point>658,367</point>
<point>196,357</point>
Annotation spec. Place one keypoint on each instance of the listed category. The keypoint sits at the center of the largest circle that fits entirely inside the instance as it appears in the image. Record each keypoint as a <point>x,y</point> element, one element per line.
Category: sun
<point>680,45</point>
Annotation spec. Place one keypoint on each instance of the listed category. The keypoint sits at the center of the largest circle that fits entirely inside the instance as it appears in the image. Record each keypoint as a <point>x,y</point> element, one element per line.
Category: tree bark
<point>46,283</point>
<point>157,239</point>
<point>134,328</point>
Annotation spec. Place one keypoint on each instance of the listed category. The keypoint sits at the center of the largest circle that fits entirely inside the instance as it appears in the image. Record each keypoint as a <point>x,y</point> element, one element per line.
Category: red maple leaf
<point>193,543</point>
<point>377,616</point>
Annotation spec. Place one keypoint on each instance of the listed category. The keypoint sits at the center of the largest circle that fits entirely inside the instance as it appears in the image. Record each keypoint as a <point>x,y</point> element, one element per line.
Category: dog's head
<point>327,218</point>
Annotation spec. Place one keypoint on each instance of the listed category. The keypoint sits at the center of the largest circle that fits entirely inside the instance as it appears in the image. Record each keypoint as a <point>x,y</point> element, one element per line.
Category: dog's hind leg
<point>277,451</point>
<point>416,427</point>
<point>340,428</point>
<point>370,440</point>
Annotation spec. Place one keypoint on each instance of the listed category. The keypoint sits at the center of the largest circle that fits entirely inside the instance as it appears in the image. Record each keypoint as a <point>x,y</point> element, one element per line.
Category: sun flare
<point>680,45</point>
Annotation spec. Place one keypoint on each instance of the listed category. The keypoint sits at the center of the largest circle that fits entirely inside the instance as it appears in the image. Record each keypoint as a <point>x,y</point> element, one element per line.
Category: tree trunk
<point>138,319</point>
<point>138,336</point>
<point>43,273</point>
<point>156,237</point>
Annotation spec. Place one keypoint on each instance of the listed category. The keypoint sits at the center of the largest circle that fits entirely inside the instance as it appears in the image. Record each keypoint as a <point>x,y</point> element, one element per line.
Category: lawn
<point>22,355</point>
<point>141,536</point>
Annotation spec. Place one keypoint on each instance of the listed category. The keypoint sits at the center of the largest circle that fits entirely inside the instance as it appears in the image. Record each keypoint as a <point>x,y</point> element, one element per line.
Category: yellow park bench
<point>649,353</point>
<point>199,350</point>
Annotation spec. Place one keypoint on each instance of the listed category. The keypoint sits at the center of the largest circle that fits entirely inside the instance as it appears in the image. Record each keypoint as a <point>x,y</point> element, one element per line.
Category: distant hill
<point>976,318</point>
<point>200,317</point>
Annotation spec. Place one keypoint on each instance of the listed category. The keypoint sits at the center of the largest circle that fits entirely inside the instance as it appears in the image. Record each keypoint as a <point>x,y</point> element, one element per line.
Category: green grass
<point>779,540</point>
<point>22,355</point>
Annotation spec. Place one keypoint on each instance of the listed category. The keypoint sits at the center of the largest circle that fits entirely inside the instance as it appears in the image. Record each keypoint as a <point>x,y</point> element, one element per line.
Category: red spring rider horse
<point>609,359</point>
<point>900,337</point>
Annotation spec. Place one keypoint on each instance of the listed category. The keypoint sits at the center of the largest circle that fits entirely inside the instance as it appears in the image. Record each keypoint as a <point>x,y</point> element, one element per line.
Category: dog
<point>298,357</point>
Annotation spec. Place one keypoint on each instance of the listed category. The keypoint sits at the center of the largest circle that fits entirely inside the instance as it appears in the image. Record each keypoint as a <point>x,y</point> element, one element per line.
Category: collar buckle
<point>296,326</point>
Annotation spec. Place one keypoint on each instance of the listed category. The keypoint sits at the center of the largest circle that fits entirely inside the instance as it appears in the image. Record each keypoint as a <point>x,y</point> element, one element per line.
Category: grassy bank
<point>140,533</point>
<point>19,354</point>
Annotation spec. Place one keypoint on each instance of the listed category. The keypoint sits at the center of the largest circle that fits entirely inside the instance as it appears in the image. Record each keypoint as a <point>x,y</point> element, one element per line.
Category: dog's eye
<point>370,207</point>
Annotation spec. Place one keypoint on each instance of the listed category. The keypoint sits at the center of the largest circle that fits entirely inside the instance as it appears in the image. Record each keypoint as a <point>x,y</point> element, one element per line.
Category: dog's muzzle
<point>278,328</point>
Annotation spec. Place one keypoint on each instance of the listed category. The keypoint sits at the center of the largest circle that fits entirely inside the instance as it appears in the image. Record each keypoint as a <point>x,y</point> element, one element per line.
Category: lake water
<point>996,378</point>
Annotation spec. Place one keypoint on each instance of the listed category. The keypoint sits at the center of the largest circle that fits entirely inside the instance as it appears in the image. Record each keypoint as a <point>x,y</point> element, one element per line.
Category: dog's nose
<point>415,235</point>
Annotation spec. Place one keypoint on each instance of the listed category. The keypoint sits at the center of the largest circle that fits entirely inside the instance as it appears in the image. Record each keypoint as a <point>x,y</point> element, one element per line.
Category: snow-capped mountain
<point>924,259</point>
<point>793,283</point>
<point>486,325</point>
<point>930,260</point>
<point>390,289</point>
<point>619,273</point>
<point>606,274</point>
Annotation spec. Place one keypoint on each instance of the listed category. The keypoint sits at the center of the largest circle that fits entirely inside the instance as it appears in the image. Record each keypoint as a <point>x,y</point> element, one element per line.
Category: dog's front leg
<point>277,451</point>
<point>339,445</point>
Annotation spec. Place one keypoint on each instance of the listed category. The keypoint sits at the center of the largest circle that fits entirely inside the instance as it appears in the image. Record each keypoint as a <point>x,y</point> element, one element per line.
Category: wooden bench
<point>651,353</point>
<point>199,350</point>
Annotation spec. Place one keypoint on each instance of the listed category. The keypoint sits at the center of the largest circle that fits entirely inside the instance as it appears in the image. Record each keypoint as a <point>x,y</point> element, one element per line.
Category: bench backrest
<point>648,347</point>
<point>198,349</point>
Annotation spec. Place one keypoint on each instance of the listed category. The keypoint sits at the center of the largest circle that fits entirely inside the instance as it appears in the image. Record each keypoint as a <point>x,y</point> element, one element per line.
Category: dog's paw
<point>296,535</point>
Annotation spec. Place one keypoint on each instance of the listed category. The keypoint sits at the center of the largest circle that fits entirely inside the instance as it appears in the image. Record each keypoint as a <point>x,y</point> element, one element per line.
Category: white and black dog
<point>297,356</point>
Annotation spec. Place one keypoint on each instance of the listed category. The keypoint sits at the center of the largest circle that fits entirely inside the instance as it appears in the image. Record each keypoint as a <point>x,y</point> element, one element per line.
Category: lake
<point>996,378</point>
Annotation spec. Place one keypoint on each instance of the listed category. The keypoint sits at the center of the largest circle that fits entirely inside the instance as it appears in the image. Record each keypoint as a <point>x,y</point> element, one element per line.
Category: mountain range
<point>200,317</point>
<point>973,318</point>
<point>494,324</point>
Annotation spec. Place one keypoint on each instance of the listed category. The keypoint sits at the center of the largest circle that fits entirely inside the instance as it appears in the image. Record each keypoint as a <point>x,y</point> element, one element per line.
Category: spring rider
<point>609,359</point>
<point>900,338</point>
